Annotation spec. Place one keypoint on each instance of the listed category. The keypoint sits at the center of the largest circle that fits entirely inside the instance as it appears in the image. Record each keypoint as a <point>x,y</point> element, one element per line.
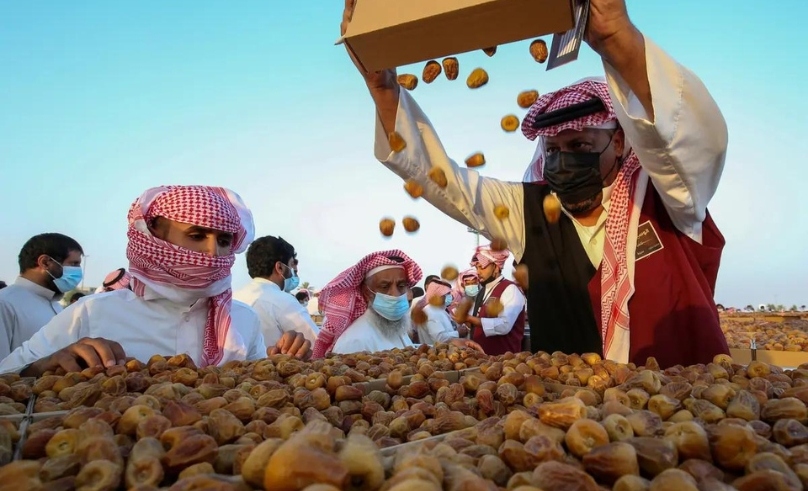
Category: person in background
<point>466,285</point>
<point>313,306</point>
<point>438,327</point>
<point>50,266</point>
<point>422,301</point>
<point>366,306</point>
<point>76,297</point>
<point>501,332</point>
<point>303,297</point>
<point>115,280</point>
<point>183,241</point>
<point>271,263</point>
<point>624,262</point>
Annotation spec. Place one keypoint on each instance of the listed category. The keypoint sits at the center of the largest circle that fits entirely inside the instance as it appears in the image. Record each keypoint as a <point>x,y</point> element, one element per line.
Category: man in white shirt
<point>612,218</point>
<point>181,248</point>
<point>438,327</point>
<point>272,265</point>
<point>366,306</point>
<point>50,266</point>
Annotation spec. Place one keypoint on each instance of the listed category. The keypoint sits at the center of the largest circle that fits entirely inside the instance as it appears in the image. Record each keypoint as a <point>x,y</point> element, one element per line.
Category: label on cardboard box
<point>387,34</point>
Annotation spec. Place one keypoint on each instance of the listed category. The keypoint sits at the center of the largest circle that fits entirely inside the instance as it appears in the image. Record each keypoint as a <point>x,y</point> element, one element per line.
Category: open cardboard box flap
<point>387,34</point>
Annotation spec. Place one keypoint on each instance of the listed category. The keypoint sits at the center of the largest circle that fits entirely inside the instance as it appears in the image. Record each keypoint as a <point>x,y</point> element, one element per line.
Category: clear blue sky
<point>100,100</point>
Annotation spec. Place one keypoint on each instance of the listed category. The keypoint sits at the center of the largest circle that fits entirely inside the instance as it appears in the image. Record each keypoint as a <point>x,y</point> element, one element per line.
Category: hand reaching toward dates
<point>467,343</point>
<point>607,18</point>
<point>292,343</point>
<point>84,353</point>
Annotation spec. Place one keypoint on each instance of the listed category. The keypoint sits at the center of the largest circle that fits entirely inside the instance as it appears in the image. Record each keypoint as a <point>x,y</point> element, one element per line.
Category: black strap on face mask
<point>569,113</point>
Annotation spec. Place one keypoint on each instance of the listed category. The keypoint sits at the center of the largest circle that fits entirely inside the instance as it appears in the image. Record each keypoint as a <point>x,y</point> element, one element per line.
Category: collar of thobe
<point>150,294</point>
<point>267,283</point>
<point>40,290</point>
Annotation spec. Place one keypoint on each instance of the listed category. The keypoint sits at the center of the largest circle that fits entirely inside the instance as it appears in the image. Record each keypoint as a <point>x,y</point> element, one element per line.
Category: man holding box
<point>629,268</point>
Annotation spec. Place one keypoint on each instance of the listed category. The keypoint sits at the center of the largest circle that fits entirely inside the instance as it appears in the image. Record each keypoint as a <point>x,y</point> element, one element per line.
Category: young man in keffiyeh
<point>438,327</point>
<point>629,270</point>
<point>503,332</point>
<point>365,308</point>
<point>182,246</point>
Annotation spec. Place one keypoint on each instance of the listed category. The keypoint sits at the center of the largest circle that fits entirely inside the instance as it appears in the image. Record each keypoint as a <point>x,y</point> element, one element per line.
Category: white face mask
<point>471,290</point>
<point>448,300</point>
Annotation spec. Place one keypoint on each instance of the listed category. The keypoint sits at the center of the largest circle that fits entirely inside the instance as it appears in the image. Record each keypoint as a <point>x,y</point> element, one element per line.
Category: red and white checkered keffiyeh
<point>181,274</point>
<point>485,256</point>
<point>117,280</point>
<point>616,289</point>
<point>341,301</point>
<point>459,288</point>
<point>437,289</point>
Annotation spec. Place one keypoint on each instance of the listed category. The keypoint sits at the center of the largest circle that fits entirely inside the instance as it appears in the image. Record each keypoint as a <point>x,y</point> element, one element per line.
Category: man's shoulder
<point>237,307</point>
<point>11,292</point>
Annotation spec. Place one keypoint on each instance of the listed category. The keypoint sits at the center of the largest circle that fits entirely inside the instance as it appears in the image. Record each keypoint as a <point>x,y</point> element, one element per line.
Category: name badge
<point>647,241</point>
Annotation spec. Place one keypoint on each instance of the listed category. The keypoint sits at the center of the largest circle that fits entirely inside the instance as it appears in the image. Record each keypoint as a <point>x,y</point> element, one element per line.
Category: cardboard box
<point>391,33</point>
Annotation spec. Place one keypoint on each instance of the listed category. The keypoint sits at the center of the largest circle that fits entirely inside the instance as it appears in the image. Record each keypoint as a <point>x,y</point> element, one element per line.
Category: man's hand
<point>386,79</point>
<point>467,343</point>
<point>85,353</point>
<point>292,343</point>
<point>607,19</point>
<point>462,330</point>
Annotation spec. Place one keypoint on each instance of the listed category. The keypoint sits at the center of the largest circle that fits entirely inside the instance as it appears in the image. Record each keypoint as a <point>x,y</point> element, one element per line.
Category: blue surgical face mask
<point>390,307</point>
<point>70,279</point>
<point>472,290</point>
<point>291,282</point>
<point>448,301</point>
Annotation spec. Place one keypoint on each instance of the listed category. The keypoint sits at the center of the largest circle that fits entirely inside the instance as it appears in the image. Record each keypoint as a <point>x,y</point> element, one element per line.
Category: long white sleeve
<point>469,198</point>
<point>63,330</point>
<point>513,303</point>
<point>683,150</point>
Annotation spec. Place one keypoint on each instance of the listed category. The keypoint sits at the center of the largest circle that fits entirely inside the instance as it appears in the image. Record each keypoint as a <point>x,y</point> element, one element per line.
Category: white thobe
<point>362,335</point>
<point>682,151</point>
<point>24,308</point>
<point>513,303</point>
<point>438,327</point>
<point>278,311</point>
<point>313,307</point>
<point>144,327</point>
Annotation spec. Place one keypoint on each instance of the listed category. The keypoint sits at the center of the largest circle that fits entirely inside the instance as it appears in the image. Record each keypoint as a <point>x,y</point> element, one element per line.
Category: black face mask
<point>574,177</point>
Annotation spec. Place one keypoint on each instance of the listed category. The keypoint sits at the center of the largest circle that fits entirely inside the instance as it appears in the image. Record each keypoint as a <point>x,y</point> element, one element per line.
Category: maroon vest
<point>498,345</point>
<point>673,316</point>
<point>672,313</point>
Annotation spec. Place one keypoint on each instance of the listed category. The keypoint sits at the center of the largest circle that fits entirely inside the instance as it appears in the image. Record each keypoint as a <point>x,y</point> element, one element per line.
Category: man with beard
<point>627,268</point>
<point>503,331</point>
<point>182,246</point>
<point>366,306</point>
<point>50,266</point>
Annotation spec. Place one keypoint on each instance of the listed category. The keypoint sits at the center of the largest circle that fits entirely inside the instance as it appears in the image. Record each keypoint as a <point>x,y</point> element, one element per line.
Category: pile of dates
<point>14,394</point>
<point>99,387</point>
<point>789,335</point>
<point>518,422</point>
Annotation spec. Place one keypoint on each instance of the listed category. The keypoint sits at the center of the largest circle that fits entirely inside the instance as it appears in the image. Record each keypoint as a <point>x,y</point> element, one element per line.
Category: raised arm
<point>468,197</point>
<point>674,125</point>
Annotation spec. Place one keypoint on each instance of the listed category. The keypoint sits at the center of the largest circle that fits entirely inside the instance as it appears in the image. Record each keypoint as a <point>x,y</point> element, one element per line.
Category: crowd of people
<point>628,270</point>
